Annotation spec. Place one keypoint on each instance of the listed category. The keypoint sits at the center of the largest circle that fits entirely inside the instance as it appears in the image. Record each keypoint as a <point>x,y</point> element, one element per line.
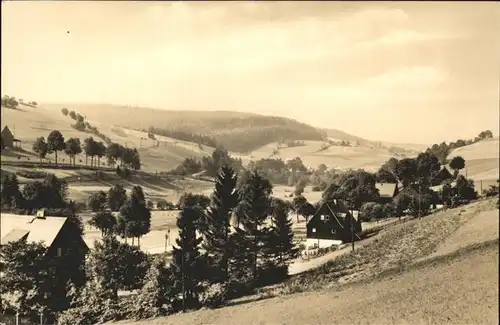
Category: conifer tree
<point>251,241</point>
<point>217,221</point>
<point>283,246</point>
<point>186,259</point>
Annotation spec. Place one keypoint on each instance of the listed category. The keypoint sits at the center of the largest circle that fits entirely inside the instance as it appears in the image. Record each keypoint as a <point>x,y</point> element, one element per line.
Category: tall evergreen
<point>251,239</point>
<point>284,249</point>
<point>217,223</point>
<point>186,259</point>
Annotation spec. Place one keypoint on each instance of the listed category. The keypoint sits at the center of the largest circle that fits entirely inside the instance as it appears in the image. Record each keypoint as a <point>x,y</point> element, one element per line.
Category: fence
<point>484,184</point>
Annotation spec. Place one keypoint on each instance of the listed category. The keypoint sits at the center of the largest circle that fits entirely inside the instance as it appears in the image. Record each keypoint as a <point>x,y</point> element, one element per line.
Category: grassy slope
<point>481,159</point>
<point>30,123</point>
<point>393,288</point>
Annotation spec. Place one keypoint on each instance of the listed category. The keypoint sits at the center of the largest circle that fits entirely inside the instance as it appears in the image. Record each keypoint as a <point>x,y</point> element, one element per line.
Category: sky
<point>394,71</point>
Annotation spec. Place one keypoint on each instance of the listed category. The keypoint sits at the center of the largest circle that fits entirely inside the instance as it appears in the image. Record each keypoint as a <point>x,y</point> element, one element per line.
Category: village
<point>221,163</point>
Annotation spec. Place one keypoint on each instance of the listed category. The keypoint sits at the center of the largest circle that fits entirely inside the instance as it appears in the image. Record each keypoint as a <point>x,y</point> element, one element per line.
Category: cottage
<point>387,192</point>
<point>55,232</point>
<point>8,139</point>
<point>445,173</point>
<point>331,225</point>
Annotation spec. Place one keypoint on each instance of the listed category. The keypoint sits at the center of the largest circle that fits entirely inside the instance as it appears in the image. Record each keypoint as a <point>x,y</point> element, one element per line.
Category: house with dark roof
<point>445,173</point>
<point>55,232</point>
<point>8,138</point>
<point>331,225</point>
<point>387,192</point>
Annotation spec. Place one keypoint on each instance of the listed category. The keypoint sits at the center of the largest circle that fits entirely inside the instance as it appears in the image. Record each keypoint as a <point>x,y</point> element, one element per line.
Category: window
<point>314,230</point>
<point>59,251</point>
<point>322,217</point>
<point>325,217</point>
<point>333,231</point>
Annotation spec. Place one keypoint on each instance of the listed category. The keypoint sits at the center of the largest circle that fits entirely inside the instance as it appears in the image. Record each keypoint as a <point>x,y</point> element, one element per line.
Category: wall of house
<point>321,243</point>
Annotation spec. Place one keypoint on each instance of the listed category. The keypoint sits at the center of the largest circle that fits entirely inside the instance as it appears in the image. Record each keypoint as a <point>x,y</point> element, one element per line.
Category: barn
<point>331,225</point>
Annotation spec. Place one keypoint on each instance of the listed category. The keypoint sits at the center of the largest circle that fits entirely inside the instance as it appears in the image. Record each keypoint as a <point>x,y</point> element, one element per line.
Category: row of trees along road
<point>96,150</point>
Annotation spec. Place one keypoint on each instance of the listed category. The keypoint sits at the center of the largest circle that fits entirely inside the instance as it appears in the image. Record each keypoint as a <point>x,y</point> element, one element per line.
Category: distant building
<point>8,138</point>
<point>387,192</point>
<point>331,225</point>
<point>445,173</point>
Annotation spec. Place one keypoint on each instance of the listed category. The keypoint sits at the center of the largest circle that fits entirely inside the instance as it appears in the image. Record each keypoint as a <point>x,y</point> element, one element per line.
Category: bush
<point>492,191</point>
<point>214,295</point>
<point>316,188</point>
<point>372,211</point>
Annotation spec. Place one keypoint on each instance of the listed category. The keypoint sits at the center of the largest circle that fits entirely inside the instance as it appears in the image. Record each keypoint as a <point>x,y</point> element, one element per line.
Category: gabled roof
<point>446,168</point>
<point>386,190</point>
<point>333,211</point>
<point>6,130</point>
<point>15,235</point>
<point>37,229</point>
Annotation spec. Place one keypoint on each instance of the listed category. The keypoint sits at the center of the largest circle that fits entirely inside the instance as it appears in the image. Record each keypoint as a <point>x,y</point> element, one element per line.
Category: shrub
<point>214,295</point>
<point>372,211</point>
<point>316,188</point>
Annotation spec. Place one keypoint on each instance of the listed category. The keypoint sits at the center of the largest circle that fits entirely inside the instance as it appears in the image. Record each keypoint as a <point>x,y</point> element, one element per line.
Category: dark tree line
<point>184,136</point>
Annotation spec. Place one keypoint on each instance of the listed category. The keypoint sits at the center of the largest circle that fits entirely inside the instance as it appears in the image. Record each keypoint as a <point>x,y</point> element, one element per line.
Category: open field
<point>382,283</point>
<point>481,159</point>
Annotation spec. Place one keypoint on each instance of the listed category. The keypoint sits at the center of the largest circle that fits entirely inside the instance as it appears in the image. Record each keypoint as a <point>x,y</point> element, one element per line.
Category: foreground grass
<point>458,288</point>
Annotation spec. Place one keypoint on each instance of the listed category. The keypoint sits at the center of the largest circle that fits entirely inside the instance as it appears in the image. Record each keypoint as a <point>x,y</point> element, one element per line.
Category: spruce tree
<point>217,221</point>
<point>186,259</point>
<point>251,241</point>
<point>284,249</point>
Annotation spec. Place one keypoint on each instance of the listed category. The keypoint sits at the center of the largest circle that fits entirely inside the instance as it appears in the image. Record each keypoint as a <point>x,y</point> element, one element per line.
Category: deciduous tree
<point>41,148</point>
<point>55,142</point>
<point>117,196</point>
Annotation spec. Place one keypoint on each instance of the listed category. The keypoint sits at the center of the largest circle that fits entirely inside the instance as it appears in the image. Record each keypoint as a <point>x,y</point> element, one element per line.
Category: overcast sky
<point>401,72</point>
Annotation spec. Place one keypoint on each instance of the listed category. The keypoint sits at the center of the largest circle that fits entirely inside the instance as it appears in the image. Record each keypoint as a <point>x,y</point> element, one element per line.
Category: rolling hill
<point>481,159</point>
<point>237,132</point>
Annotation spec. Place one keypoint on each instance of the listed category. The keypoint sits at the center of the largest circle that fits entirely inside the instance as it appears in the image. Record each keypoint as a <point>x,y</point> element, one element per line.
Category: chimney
<point>40,214</point>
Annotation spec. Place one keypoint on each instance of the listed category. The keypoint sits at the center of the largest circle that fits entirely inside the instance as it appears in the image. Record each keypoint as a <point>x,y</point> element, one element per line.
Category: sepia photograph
<point>249,162</point>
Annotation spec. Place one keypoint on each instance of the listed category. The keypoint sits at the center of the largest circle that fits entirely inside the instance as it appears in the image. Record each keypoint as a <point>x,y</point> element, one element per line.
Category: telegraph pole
<point>352,229</point>
<point>183,288</point>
